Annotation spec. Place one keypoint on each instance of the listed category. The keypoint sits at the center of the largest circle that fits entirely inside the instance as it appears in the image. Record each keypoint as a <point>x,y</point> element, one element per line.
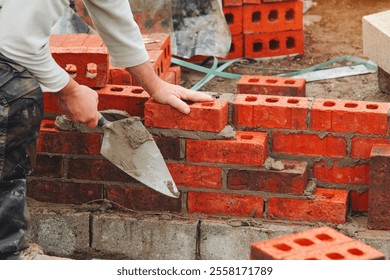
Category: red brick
<point>274,44</point>
<point>292,179</point>
<point>173,75</point>
<point>334,172</point>
<point>160,41</point>
<point>49,166</point>
<point>139,198</point>
<point>359,201</point>
<point>225,204</point>
<point>119,76</point>
<point>64,192</point>
<point>156,57</point>
<point>232,3</point>
<point>96,170</point>
<point>73,52</point>
<point>52,140</point>
<point>130,99</point>
<point>379,191</point>
<point>233,17</point>
<point>50,101</point>
<point>362,146</point>
<point>328,206</point>
<point>169,147</point>
<point>195,176</point>
<point>165,116</point>
<point>263,18</point>
<point>251,1</point>
<point>269,85</point>
<point>350,116</point>
<point>250,148</point>
<point>236,47</point>
<point>309,144</point>
<point>354,250</point>
<point>285,247</point>
<point>270,111</point>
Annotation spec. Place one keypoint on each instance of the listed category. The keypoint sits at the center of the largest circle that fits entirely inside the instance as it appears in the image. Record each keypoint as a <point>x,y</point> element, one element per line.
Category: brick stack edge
<point>264,28</point>
<point>323,145</point>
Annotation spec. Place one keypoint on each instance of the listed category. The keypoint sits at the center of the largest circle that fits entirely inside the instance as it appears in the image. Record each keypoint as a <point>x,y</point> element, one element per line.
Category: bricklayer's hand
<point>163,92</point>
<point>79,103</point>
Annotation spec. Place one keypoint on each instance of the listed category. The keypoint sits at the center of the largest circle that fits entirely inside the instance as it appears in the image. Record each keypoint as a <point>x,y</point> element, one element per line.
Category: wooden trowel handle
<point>102,120</point>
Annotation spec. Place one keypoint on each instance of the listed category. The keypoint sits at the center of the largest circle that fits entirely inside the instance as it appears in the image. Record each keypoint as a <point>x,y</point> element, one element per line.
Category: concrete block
<point>230,240</point>
<point>60,231</point>
<point>376,38</point>
<point>144,239</point>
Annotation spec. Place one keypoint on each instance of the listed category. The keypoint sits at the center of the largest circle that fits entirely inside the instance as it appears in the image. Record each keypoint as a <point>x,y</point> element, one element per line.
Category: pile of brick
<point>293,158</point>
<point>264,28</point>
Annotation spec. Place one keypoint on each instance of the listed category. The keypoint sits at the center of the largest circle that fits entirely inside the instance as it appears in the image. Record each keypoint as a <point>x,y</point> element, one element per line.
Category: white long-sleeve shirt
<point>25,27</point>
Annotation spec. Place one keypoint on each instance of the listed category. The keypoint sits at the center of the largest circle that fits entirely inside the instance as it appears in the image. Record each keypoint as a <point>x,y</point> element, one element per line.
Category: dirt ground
<point>337,33</point>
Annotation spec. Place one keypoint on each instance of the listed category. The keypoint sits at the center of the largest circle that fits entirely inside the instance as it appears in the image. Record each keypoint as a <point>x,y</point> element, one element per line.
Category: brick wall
<point>293,158</point>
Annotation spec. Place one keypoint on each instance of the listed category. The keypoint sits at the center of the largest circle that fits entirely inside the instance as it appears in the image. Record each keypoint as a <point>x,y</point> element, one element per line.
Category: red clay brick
<point>130,99</point>
<point>232,3</point>
<point>165,116</point>
<point>160,41</point>
<point>233,17</point>
<point>251,1</point>
<point>263,18</point>
<point>49,166</point>
<point>236,47</point>
<point>119,76</point>
<point>354,250</point>
<point>350,116</point>
<point>358,174</point>
<point>51,105</point>
<point>52,140</point>
<point>156,57</point>
<point>328,206</point>
<point>169,147</point>
<point>379,191</point>
<point>172,75</point>
<point>274,44</point>
<point>285,247</point>
<point>270,111</point>
<point>64,192</point>
<point>270,85</point>
<point>139,198</point>
<point>309,144</point>
<point>362,146</point>
<point>249,148</point>
<point>359,201</point>
<point>72,51</point>
<point>293,179</point>
<point>225,204</point>
<point>96,170</point>
<point>195,176</point>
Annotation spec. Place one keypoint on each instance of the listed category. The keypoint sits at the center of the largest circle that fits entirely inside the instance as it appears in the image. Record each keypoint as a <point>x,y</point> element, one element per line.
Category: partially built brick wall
<point>293,158</point>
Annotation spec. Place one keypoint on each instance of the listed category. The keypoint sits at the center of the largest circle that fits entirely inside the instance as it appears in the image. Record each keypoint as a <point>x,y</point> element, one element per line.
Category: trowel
<point>130,146</point>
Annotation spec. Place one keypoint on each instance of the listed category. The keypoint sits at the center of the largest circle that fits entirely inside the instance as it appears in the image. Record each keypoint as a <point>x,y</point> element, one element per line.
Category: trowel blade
<point>128,145</point>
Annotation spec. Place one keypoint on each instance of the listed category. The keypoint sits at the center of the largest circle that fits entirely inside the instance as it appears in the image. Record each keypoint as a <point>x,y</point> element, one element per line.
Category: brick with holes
<point>271,85</point>
<point>262,18</point>
<point>164,116</point>
<point>130,99</point>
<point>348,116</point>
<point>233,17</point>
<point>272,44</point>
<point>270,111</point>
<point>83,56</point>
<point>286,246</point>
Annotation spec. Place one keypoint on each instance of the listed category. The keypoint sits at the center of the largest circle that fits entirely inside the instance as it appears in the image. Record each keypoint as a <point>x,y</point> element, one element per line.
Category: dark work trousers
<point>21,112</point>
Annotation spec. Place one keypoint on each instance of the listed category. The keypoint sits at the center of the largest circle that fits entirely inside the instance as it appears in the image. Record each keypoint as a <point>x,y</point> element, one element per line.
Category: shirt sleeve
<point>115,24</point>
<point>25,27</point>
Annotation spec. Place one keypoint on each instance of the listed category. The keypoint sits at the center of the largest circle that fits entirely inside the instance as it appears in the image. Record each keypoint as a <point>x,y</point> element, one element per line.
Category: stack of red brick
<point>264,28</point>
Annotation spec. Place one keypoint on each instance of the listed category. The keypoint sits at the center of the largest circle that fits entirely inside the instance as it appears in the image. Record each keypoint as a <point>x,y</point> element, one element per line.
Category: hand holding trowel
<point>128,145</point>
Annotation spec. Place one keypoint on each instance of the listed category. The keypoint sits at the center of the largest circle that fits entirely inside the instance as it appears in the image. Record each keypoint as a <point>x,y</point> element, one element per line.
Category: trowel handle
<point>102,120</point>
